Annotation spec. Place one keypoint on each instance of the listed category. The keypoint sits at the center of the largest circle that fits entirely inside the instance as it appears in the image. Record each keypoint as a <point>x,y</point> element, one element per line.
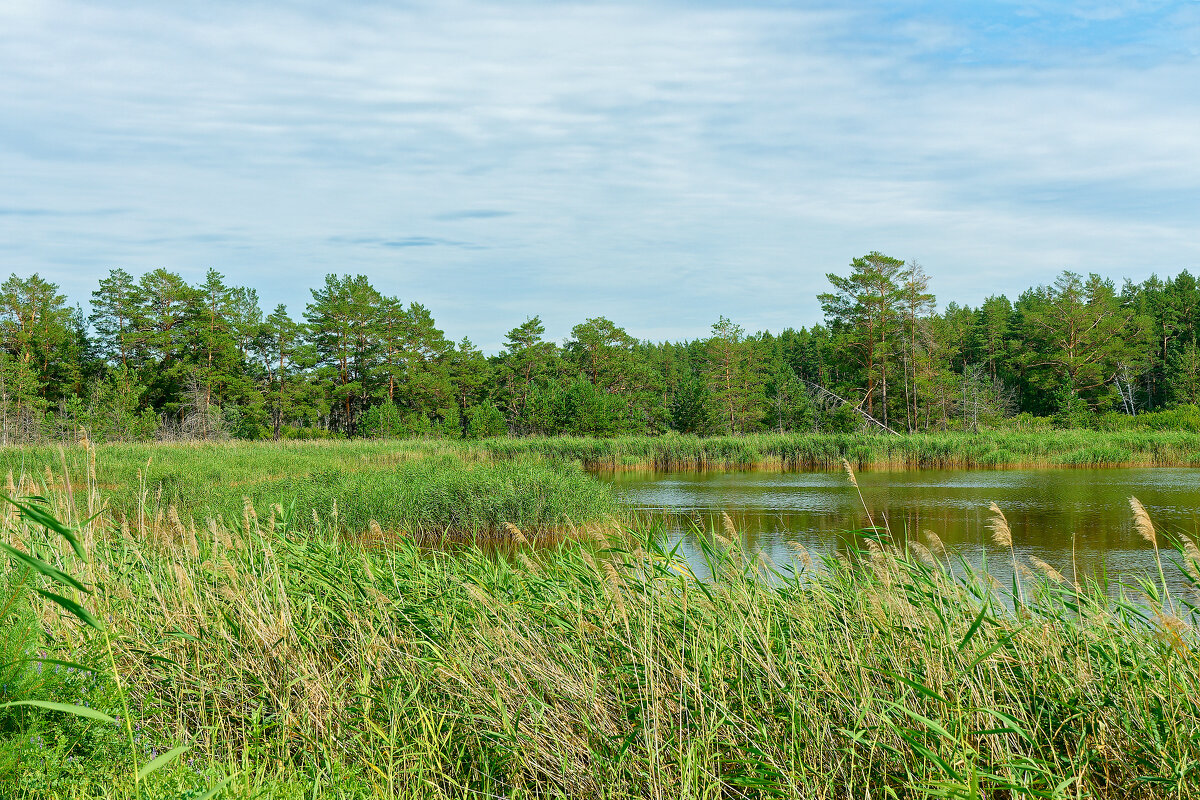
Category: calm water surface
<point>1049,510</point>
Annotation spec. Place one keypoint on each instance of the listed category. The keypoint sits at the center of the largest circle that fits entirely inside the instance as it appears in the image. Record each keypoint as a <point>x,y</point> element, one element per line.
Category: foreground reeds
<point>306,665</point>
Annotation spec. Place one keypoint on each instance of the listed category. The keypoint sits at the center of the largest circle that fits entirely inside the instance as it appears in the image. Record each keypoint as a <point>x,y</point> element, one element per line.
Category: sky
<point>660,163</point>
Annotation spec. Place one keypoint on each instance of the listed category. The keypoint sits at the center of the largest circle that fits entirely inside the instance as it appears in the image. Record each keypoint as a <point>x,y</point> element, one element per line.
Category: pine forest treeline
<point>160,358</point>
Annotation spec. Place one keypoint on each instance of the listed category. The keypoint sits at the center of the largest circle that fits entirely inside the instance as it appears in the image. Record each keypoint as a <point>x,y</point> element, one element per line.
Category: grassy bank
<point>307,666</point>
<point>415,488</point>
<point>865,451</point>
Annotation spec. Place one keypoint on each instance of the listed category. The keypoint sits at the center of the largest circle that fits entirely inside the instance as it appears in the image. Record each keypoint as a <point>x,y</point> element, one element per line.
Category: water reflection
<point>1076,520</point>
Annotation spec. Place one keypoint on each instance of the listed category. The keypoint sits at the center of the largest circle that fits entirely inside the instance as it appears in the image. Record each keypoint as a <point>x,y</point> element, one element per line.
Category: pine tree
<point>734,379</point>
<point>115,309</point>
<point>343,326</point>
<point>278,343</point>
<point>864,311</point>
<point>40,331</point>
<point>526,359</point>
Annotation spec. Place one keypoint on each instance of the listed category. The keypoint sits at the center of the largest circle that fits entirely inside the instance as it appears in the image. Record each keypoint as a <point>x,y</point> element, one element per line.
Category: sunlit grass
<point>422,489</point>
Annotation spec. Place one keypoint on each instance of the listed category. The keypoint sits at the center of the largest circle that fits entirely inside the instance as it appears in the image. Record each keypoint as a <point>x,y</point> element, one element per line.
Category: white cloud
<point>661,164</point>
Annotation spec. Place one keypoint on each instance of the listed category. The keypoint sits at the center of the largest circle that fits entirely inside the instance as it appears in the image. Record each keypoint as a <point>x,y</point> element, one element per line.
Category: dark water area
<point>1070,518</point>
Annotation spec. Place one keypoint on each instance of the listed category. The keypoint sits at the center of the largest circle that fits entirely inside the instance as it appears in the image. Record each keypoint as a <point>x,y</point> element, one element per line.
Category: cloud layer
<point>658,163</point>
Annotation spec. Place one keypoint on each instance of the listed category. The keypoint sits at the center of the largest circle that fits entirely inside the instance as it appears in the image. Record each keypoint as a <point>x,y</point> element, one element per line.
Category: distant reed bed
<point>425,484</point>
<point>865,451</point>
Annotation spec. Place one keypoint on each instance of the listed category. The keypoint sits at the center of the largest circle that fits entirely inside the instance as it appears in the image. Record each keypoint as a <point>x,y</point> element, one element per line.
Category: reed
<point>305,664</point>
<point>1074,448</point>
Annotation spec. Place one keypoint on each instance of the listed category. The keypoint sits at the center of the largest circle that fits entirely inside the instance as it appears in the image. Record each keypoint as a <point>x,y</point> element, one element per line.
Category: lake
<point>1066,517</point>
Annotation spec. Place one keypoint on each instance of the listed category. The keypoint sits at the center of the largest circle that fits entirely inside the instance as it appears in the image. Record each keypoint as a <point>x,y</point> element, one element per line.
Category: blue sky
<point>659,163</point>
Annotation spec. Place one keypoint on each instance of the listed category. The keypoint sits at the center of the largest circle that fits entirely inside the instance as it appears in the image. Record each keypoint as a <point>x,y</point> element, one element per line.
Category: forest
<point>159,358</point>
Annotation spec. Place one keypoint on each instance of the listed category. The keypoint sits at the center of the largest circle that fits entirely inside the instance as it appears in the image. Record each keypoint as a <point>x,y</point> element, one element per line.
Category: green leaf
<point>1003,641</point>
<point>1012,724</point>
<point>973,629</point>
<point>162,761</point>
<point>36,564</point>
<point>71,664</point>
<point>929,723</point>
<point>40,516</point>
<point>920,688</point>
<point>71,607</point>
<point>929,754</point>
<point>220,787</point>
<point>66,708</point>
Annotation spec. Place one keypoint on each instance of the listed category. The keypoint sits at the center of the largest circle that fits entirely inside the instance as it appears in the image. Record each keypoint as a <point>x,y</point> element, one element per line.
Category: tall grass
<point>314,666</point>
<point>414,489</point>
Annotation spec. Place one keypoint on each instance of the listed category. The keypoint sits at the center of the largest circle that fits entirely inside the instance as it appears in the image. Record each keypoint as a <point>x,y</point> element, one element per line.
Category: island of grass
<point>391,489</point>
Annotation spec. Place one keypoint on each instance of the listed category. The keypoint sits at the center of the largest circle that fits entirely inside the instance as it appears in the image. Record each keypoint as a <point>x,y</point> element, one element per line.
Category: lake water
<point>1066,517</point>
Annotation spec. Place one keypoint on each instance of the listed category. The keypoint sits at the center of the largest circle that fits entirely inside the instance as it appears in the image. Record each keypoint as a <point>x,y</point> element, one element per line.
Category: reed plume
<point>802,554</point>
<point>1001,532</point>
<point>1049,571</point>
<point>854,483</point>
<point>517,536</point>
<point>923,553</point>
<point>850,473</point>
<point>1002,536</point>
<point>1141,521</point>
<point>1192,560</point>
<point>1145,529</point>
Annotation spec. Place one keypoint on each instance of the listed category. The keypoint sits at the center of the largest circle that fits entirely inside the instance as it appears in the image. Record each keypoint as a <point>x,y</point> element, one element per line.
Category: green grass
<point>307,665</point>
<point>416,488</point>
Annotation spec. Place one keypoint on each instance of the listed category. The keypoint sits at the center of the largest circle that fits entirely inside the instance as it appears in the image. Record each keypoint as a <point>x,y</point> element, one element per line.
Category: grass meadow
<point>200,645</point>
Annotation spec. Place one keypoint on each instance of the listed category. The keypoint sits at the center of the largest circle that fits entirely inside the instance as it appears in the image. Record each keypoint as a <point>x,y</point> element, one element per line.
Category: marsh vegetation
<point>294,661</point>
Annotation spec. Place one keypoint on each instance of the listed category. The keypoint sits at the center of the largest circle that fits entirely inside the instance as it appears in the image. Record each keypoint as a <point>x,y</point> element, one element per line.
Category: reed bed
<point>207,477</point>
<point>302,664</point>
<point>994,449</point>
